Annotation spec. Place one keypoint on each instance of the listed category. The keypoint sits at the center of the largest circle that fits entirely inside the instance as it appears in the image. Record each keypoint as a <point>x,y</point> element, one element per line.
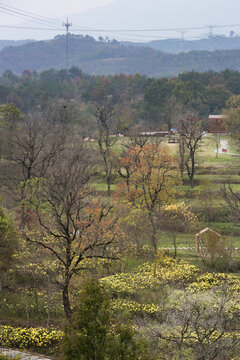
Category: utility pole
<point>67,25</point>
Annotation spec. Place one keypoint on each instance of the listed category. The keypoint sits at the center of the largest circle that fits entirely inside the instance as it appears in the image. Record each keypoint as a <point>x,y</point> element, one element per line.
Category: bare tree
<point>62,112</point>
<point>232,200</point>
<point>172,111</point>
<point>72,226</point>
<point>32,148</point>
<point>217,138</point>
<point>191,132</point>
<point>181,155</point>
<point>104,117</point>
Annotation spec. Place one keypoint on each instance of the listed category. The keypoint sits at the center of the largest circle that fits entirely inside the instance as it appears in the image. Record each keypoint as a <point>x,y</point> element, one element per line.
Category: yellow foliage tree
<point>151,182</point>
<point>176,218</point>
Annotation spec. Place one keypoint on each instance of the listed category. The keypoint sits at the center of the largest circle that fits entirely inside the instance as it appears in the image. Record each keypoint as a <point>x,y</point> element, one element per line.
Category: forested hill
<point>108,58</point>
<point>5,43</point>
<point>175,46</point>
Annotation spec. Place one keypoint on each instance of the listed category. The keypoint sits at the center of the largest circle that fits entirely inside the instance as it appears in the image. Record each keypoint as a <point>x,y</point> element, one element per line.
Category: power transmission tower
<point>183,32</point>
<point>67,25</point>
<point>210,34</point>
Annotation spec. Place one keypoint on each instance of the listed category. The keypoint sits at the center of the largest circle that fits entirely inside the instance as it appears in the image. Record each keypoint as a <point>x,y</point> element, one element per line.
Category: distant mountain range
<point>6,43</point>
<point>109,58</point>
<point>175,46</point>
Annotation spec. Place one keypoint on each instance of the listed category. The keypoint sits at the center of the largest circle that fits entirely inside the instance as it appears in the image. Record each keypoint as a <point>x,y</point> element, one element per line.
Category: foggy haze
<point>112,15</point>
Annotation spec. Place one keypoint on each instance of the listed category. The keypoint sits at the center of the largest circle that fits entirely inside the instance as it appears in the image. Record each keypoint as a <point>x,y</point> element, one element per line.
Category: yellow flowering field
<point>209,281</point>
<point>132,291</point>
<point>33,338</point>
<point>151,276</point>
<point>133,307</point>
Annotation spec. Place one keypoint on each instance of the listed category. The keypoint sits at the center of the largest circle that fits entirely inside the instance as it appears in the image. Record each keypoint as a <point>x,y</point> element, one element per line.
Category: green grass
<point>205,198</point>
<point>100,186</point>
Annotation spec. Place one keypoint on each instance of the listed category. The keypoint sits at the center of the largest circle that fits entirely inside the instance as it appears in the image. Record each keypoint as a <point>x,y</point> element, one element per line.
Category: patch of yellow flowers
<point>152,276</point>
<point>209,281</point>
<point>149,277</point>
<point>132,306</point>
<point>34,338</point>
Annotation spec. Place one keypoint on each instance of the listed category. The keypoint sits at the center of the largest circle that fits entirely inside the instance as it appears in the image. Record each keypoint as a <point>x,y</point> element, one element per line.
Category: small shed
<point>206,230</point>
<point>217,124</point>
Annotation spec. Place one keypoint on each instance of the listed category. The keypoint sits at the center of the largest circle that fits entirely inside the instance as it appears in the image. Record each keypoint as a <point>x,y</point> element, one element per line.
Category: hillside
<point>175,46</point>
<point>6,43</point>
<point>101,58</point>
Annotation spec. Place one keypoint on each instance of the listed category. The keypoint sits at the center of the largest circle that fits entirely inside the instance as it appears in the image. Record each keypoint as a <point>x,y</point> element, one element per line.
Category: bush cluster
<point>3,357</point>
<point>95,332</point>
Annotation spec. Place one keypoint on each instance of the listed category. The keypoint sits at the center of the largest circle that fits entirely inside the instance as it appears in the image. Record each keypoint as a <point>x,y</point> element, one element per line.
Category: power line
<point>162,29</point>
<point>52,24</point>
<point>131,35</point>
<point>44,19</point>
<point>29,27</point>
<point>25,18</point>
<point>27,15</point>
<point>136,36</point>
<point>31,16</point>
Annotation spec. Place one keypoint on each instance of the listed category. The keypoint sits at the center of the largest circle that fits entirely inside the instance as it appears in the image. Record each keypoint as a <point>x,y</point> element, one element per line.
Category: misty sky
<point>123,14</point>
<point>50,8</point>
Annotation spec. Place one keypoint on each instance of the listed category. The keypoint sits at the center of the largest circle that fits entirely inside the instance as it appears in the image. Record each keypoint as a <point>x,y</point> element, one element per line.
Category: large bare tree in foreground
<point>69,223</point>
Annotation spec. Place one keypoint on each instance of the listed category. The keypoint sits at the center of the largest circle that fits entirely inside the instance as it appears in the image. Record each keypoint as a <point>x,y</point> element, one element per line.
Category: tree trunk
<point>154,242</point>
<point>181,153</point>
<point>28,317</point>
<point>154,233</point>
<point>191,182</point>
<point>66,301</point>
<point>1,282</point>
<point>193,168</point>
<point>175,245</point>
<point>108,185</point>
<point>48,316</point>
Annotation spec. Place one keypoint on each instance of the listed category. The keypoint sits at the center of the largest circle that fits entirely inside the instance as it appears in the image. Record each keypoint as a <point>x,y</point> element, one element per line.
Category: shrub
<point>94,333</point>
<point>3,357</point>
